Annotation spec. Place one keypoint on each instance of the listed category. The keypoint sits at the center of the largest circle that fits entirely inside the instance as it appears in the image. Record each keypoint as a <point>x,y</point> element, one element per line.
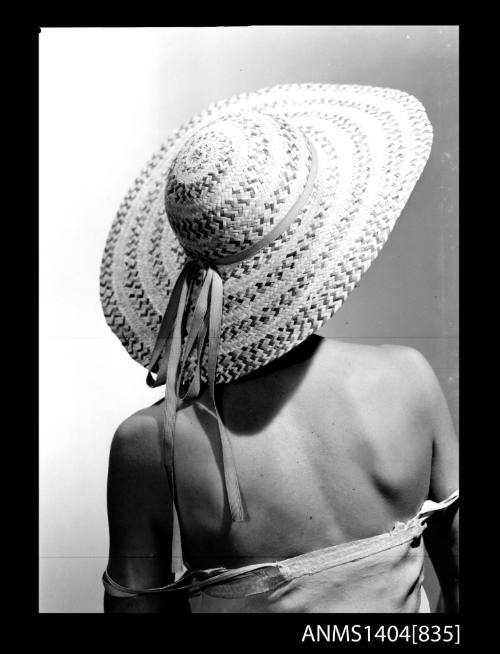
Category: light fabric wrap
<point>382,574</point>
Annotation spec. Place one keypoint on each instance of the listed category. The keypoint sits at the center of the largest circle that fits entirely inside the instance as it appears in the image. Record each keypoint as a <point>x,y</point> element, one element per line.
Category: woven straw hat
<point>288,193</point>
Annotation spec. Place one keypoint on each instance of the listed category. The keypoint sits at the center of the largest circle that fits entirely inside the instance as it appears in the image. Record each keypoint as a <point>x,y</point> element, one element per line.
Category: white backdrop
<point>108,97</point>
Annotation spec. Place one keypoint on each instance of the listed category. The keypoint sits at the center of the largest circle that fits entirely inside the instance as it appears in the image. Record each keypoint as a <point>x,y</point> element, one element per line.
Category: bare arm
<point>441,535</point>
<point>140,521</point>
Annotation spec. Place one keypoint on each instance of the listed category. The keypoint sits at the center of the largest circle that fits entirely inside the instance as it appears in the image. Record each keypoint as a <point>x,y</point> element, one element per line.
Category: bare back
<point>334,447</point>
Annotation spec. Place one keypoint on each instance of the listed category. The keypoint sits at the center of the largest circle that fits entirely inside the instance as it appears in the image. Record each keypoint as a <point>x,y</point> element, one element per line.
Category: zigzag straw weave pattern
<point>229,175</point>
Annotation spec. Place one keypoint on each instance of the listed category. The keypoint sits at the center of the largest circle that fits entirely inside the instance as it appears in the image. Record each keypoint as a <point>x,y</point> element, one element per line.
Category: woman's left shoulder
<point>138,435</point>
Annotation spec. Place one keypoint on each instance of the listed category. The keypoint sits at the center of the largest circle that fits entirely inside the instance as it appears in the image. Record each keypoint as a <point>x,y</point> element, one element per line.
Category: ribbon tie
<point>171,357</point>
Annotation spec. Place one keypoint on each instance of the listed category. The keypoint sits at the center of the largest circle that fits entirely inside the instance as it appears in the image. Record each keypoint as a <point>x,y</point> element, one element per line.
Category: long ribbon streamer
<point>170,357</point>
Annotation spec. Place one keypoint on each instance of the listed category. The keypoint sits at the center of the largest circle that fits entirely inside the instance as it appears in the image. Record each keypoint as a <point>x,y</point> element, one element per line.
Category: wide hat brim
<point>372,145</point>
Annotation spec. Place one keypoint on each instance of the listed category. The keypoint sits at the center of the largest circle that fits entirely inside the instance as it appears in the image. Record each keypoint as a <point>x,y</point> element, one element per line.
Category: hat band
<point>171,357</point>
<point>284,223</point>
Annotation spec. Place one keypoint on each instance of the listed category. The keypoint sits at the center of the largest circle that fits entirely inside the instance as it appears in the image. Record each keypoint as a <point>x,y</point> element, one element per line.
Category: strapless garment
<point>380,574</point>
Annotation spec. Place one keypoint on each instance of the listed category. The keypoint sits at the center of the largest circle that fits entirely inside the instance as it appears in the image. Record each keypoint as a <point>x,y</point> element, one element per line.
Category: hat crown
<point>233,180</point>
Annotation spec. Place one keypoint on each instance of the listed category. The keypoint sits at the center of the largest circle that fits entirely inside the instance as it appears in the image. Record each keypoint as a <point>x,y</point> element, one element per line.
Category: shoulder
<point>138,490</point>
<point>402,363</point>
<point>408,369</point>
<point>143,420</point>
<point>137,438</point>
<point>392,373</point>
<point>383,361</point>
<point>406,360</point>
<point>138,502</point>
<point>413,370</point>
